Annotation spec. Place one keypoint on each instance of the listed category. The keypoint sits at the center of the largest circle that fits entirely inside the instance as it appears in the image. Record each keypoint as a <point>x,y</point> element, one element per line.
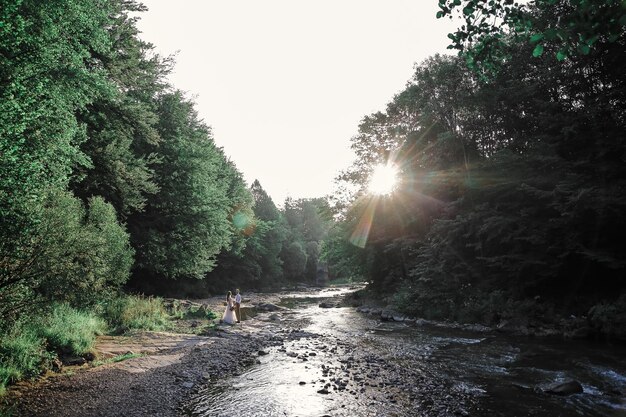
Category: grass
<point>28,348</point>
<point>71,331</point>
<point>194,311</point>
<point>22,355</point>
<point>136,312</point>
<point>118,358</point>
<point>7,411</point>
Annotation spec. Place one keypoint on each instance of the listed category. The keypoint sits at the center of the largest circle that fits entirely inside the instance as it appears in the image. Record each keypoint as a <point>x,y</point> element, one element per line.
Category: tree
<point>508,189</point>
<point>49,71</point>
<point>566,28</point>
<point>121,125</point>
<point>187,223</point>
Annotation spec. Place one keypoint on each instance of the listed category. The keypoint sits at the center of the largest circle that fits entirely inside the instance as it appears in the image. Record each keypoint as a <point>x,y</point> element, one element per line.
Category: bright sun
<point>384,180</point>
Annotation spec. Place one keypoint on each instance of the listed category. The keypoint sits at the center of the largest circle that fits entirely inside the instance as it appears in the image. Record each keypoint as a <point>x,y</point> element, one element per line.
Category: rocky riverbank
<point>549,325</point>
<point>166,380</point>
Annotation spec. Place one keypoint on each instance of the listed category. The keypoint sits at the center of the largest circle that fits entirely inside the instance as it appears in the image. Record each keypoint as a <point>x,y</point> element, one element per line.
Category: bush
<point>86,256</point>
<point>28,347</point>
<point>71,331</point>
<point>609,319</point>
<point>136,312</point>
<point>22,355</point>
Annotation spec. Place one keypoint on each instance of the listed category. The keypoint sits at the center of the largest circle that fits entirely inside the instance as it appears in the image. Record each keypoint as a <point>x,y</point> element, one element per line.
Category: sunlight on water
<point>269,389</point>
<point>505,373</point>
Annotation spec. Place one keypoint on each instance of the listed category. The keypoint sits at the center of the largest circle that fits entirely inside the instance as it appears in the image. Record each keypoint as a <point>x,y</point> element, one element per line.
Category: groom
<point>238,305</point>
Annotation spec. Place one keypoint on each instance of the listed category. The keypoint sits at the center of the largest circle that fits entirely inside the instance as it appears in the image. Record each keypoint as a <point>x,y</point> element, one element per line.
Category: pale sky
<point>284,83</point>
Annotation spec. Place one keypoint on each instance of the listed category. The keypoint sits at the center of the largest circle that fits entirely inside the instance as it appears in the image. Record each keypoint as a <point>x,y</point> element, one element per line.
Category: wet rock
<point>398,318</point>
<point>269,307</point>
<point>323,391</point>
<point>274,317</point>
<point>564,388</point>
<point>262,352</point>
<point>302,383</point>
<point>326,304</point>
<point>386,315</point>
<point>73,360</point>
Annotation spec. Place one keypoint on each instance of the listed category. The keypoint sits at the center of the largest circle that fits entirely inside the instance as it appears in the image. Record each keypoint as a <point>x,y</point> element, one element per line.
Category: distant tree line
<point>512,178</point>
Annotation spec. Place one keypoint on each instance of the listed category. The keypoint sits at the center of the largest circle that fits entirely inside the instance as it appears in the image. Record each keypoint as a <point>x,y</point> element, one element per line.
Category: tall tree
<point>187,223</point>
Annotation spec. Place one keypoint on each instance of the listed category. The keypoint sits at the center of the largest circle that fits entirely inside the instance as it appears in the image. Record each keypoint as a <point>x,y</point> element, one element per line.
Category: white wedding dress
<point>229,315</point>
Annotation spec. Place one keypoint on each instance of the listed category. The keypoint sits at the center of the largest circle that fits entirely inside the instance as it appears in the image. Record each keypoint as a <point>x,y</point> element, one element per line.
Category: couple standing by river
<point>232,314</point>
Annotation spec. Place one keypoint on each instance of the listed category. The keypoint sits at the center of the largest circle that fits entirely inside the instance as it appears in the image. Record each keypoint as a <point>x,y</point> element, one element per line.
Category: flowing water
<point>503,374</point>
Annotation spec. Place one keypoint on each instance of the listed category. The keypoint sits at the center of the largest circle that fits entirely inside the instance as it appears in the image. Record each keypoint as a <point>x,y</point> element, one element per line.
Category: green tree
<point>566,28</point>
<point>187,223</point>
<point>121,125</point>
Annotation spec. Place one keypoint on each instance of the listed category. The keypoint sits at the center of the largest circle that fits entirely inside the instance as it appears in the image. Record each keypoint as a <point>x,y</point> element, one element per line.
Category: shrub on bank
<point>22,355</point>
<point>71,331</point>
<point>136,312</point>
<point>609,319</point>
<point>28,348</point>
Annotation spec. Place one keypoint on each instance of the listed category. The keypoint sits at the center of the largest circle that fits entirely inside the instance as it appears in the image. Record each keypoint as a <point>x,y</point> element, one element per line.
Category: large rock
<point>269,307</point>
<point>386,315</point>
<point>564,388</point>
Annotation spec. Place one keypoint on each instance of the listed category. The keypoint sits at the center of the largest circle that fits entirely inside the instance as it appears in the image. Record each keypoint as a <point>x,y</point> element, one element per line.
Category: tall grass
<point>22,355</point>
<point>28,347</point>
<point>136,312</point>
<point>71,331</point>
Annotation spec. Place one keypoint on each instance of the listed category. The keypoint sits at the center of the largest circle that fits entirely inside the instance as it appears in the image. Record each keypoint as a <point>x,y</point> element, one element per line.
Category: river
<point>374,368</point>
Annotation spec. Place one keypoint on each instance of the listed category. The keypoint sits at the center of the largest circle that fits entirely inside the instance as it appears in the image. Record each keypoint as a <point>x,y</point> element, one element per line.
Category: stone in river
<point>326,304</point>
<point>564,388</point>
<point>269,307</point>
<point>323,391</point>
<point>302,383</point>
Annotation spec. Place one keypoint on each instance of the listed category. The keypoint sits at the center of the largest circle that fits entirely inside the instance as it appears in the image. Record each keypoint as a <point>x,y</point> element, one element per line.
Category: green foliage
<point>84,250</point>
<point>186,224</point>
<point>566,28</point>
<point>73,254</point>
<point>22,355</point>
<point>28,347</point>
<point>185,310</point>
<point>509,190</point>
<point>136,313</point>
<point>71,331</point>
<point>295,259</point>
<point>118,358</point>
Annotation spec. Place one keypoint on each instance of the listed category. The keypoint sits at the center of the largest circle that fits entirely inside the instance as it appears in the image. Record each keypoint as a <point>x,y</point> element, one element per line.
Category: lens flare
<point>384,180</point>
<point>362,231</point>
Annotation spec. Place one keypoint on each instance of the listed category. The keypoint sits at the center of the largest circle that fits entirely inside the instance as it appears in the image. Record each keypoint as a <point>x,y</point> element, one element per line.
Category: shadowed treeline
<point>511,196</point>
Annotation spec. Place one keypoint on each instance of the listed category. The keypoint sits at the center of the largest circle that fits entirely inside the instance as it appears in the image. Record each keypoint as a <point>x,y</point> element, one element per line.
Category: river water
<point>503,375</point>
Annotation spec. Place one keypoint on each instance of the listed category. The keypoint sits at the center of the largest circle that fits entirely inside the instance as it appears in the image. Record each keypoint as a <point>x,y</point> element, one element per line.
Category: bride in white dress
<point>229,314</point>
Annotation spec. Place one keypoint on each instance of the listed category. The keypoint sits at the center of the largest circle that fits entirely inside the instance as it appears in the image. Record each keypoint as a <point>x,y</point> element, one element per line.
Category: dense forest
<point>512,167</point>
<point>110,182</point>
